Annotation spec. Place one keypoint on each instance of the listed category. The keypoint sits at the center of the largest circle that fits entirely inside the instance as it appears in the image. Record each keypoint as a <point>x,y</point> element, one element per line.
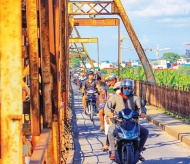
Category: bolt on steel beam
<point>32,27</point>
<point>11,81</point>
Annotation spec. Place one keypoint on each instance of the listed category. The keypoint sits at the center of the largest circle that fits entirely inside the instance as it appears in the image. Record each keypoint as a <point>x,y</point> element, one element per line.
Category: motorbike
<point>126,134</point>
<point>91,103</point>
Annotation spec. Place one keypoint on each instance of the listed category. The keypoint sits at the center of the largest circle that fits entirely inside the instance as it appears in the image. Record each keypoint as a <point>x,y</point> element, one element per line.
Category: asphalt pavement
<point>161,148</point>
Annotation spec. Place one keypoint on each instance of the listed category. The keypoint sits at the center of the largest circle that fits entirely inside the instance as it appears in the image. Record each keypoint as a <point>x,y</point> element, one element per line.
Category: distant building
<point>188,53</point>
<point>160,64</point>
<point>181,60</point>
<point>106,64</point>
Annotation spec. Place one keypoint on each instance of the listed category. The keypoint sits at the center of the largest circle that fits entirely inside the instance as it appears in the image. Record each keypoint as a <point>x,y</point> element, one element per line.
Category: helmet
<point>102,87</point>
<point>90,73</point>
<point>112,77</point>
<point>127,83</point>
<point>117,85</point>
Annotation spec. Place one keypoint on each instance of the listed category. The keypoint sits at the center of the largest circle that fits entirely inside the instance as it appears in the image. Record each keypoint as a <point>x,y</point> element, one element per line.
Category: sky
<point>156,22</point>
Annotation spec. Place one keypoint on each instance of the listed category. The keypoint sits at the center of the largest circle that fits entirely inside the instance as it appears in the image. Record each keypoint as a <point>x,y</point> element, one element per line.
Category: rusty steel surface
<point>135,41</point>
<point>57,12</point>
<point>64,61</point>
<point>51,27</point>
<point>83,40</point>
<point>45,63</point>
<point>11,81</point>
<point>166,97</point>
<point>96,22</point>
<point>32,28</point>
<point>92,8</point>
<point>39,153</point>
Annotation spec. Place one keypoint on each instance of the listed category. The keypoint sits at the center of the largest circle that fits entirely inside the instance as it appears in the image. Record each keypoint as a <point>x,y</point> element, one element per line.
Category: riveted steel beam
<point>83,40</point>
<point>96,22</point>
<point>45,63</point>
<point>92,8</point>
<point>11,81</point>
<point>65,57</point>
<point>57,20</point>
<point>32,27</point>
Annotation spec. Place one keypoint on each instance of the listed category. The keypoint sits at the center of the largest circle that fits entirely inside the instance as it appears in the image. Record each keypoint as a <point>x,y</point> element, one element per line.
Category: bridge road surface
<point>161,148</point>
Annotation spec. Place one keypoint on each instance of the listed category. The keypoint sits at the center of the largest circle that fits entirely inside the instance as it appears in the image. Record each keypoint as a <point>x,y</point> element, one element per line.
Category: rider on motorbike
<point>130,101</point>
<point>89,84</point>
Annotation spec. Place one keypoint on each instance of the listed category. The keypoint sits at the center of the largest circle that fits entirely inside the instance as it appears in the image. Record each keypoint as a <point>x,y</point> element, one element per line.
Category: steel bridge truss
<point>93,8</point>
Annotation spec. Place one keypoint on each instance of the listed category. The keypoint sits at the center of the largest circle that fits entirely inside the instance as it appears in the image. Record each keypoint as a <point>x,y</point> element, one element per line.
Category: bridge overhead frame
<point>74,22</point>
<point>115,7</point>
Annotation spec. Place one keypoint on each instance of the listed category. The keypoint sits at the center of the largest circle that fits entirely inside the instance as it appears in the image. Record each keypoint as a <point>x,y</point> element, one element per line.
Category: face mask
<point>118,91</point>
<point>126,92</point>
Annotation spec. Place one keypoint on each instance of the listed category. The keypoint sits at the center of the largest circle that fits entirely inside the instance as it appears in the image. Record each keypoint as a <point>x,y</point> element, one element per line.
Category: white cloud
<point>172,12</point>
<point>153,8</point>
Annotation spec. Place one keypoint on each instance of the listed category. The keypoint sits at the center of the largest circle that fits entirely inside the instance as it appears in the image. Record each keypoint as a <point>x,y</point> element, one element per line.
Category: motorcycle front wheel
<point>127,155</point>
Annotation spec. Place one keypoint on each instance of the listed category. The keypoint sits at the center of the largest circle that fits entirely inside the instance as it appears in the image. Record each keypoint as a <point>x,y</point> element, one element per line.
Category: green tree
<point>172,57</point>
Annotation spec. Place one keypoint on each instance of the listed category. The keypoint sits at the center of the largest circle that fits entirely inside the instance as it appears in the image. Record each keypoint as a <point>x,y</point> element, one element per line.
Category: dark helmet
<point>127,83</point>
<point>90,73</point>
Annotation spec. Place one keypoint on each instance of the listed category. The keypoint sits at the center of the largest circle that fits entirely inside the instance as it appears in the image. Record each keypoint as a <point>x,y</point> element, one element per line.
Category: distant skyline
<point>157,22</point>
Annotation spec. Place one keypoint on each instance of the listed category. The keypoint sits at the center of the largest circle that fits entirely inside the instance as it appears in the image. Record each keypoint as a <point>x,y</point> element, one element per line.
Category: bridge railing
<point>172,98</point>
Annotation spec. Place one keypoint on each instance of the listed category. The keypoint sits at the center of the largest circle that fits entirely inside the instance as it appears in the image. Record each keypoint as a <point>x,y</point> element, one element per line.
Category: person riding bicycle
<point>89,84</point>
<point>133,102</point>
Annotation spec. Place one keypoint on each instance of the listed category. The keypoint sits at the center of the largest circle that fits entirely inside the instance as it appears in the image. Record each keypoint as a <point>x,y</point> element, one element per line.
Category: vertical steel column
<point>135,41</point>
<point>31,12</point>
<point>57,9</point>
<point>65,57</point>
<point>45,63</point>
<point>11,80</point>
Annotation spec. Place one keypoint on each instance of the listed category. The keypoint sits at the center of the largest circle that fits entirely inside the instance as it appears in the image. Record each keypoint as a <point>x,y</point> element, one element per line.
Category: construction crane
<point>120,55</point>
<point>157,50</point>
